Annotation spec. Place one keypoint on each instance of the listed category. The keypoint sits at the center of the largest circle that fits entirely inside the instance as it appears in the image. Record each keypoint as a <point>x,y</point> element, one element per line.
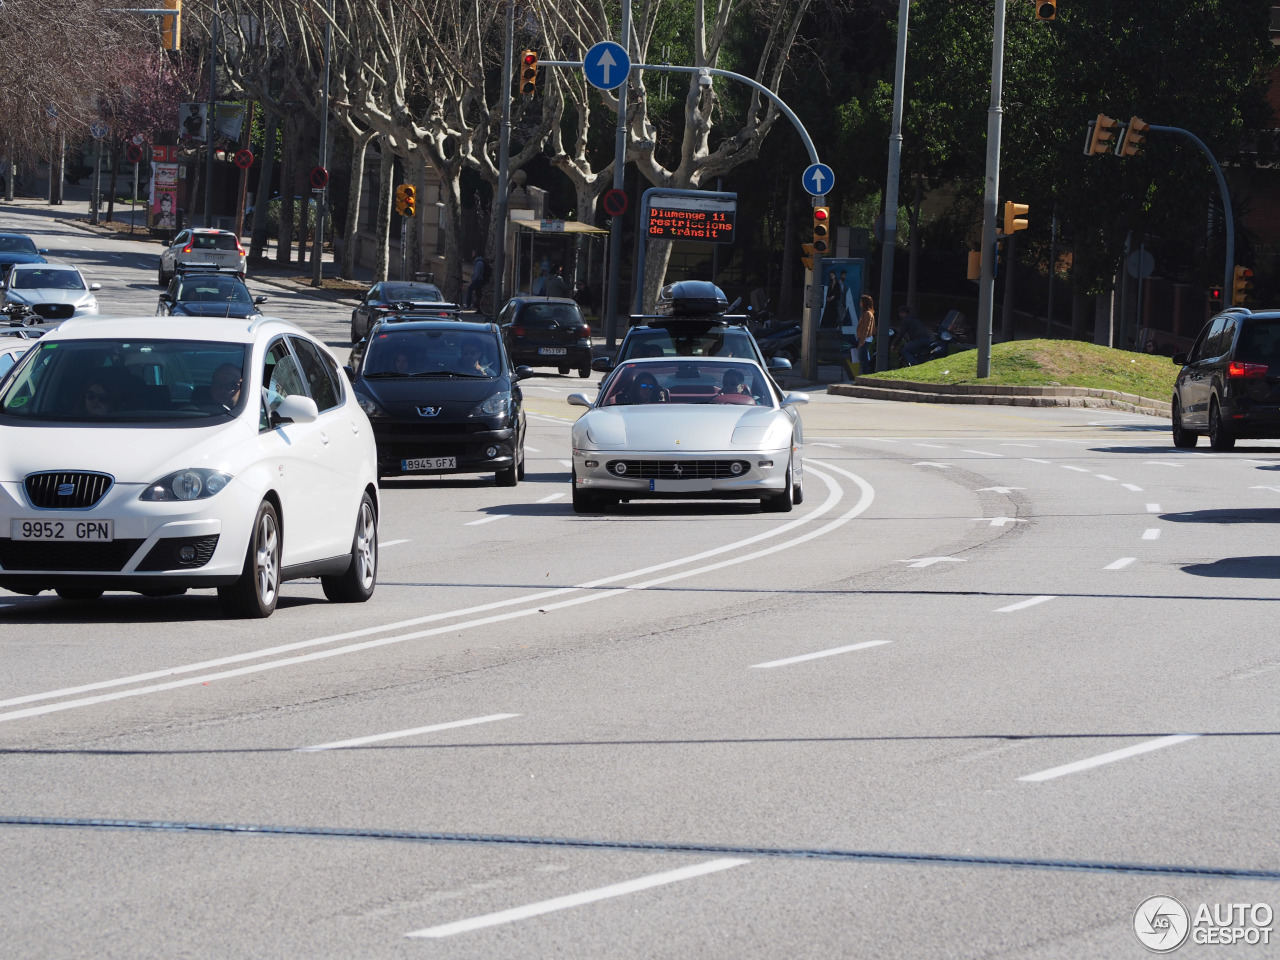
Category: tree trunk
<point>386,171</point>
<point>56,184</point>
<point>657,255</point>
<point>284,242</point>
<point>115,173</point>
<point>451,197</point>
<point>359,145</point>
<point>1103,319</point>
<point>262,197</point>
<point>913,255</point>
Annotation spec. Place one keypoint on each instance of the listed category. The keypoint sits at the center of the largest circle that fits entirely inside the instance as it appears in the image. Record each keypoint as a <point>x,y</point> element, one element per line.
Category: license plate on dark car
<point>430,463</point>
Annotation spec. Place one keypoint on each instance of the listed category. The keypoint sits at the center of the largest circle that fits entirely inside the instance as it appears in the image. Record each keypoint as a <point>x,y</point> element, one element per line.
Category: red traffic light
<point>820,213</point>
<point>530,57</point>
<point>1215,293</point>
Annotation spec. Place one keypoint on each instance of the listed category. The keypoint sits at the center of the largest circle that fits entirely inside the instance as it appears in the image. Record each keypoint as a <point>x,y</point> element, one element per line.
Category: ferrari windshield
<point>688,381</point>
<point>112,381</point>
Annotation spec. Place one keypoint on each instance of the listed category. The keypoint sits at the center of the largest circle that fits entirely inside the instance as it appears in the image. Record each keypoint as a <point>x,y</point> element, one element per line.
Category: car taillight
<point>517,331</point>
<point>187,248</point>
<point>1251,370</point>
<point>239,249</point>
<point>586,330</point>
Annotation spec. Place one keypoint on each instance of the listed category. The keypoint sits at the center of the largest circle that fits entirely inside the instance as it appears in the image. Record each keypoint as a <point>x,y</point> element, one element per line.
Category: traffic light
<point>1012,214</point>
<point>406,200</point>
<point>1134,134</point>
<point>171,26</point>
<point>1241,286</point>
<point>821,231</point>
<point>1104,131</point>
<point>529,73</point>
<point>1215,299</point>
<point>807,257</point>
<point>1046,9</point>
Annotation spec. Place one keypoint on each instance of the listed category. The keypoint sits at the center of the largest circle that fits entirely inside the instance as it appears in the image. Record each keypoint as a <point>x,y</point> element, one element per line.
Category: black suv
<point>546,332</point>
<point>691,322</point>
<point>1229,385</point>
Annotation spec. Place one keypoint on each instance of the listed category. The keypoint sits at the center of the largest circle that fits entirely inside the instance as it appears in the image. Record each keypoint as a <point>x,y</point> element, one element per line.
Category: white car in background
<point>53,290</point>
<point>202,249</point>
<point>155,457</point>
<point>680,428</point>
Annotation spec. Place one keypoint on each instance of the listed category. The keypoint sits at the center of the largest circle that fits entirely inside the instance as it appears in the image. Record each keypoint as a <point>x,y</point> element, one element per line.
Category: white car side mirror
<point>297,408</point>
<point>578,400</point>
<point>94,286</point>
<point>795,399</point>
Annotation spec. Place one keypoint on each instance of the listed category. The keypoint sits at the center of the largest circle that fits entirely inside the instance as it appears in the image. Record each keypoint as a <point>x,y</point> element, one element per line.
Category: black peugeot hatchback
<point>1229,384</point>
<point>442,397</point>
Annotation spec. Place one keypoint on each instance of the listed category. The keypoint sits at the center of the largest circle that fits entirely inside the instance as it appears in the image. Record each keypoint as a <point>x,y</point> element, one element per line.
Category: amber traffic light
<point>1134,134</point>
<point>1013,221</point>
<point>171,26</point>
<point>1103,133</point>
<point>406,200</point>
<point>1241,286</point>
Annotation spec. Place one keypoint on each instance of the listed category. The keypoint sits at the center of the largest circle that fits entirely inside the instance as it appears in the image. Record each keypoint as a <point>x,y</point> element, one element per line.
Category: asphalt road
<point>1004,675</point>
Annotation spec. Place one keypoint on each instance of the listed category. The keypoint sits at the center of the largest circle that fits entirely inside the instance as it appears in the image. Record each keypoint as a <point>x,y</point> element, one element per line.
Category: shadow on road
<point>1241,568</point>
<point>1245,515</point>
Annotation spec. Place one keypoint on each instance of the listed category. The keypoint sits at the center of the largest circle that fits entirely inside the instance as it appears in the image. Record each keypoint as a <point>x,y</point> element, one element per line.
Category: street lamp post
<point>990,201</point>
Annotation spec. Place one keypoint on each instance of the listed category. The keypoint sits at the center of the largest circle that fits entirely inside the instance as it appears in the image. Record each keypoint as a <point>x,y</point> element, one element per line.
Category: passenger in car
<point>224,388</point>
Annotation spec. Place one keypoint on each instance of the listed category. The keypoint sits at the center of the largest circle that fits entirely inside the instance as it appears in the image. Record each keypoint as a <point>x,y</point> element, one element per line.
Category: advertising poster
<point>191,122</point>
<point>164,196</point>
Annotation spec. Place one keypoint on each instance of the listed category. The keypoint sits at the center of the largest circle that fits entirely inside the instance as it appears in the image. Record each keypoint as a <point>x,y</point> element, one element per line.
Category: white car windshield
<point>44,278</point>
<point>110,381</point>
<point>688,381</point>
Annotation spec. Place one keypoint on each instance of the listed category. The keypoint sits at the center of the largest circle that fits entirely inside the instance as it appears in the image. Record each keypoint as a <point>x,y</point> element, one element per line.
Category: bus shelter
<point>542,246</point>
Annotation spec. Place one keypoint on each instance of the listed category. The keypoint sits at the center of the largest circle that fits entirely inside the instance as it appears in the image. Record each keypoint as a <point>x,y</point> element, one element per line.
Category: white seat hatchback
<point>138,455</point>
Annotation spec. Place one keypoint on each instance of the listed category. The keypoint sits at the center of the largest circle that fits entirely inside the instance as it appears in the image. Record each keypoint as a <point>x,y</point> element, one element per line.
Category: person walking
<point>557,286</point>
<point>478,278</point>
<point>866,330</point>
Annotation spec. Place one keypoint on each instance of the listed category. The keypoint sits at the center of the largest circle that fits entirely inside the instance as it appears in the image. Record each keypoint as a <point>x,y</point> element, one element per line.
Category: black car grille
<point>55,555</point>
<point>678,469</point>
<point>167,553</point>
<point>54,311</point>
<point>67,491</point>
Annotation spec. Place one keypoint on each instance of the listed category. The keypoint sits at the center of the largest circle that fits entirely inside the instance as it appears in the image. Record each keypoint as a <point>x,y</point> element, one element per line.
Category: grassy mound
<point>1051,363</point>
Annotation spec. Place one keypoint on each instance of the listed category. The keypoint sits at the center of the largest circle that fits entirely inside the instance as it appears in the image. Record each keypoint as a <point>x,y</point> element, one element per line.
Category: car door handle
<point>324,438</point>
<point>355,427</point>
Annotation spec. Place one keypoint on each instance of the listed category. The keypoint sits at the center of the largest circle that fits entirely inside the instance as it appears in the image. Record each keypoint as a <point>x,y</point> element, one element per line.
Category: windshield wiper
<point>389,373</point>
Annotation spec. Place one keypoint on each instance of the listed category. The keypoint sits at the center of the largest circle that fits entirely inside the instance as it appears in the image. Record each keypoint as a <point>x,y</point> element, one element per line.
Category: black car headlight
<point>371,409</point>
<point>496,406</point>
<point>196,483</point>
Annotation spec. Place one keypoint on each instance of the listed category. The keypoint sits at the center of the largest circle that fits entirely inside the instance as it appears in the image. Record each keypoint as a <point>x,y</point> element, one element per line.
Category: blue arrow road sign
<point>818,179</point>
<point>606,65</point>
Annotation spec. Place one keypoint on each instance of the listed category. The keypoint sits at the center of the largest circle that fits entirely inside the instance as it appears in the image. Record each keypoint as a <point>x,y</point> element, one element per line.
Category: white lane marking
<point>1023,604</point>
<point>1029,446</point>
<point>833,446</point>
<point>1067,466</point>
<point>999,521</point>
<point>530,449</point>
<point>567,463</point>
<point>1034,460</point>
<point>1151,533</point>
<point>489,519</point>
<point>1267,462</point>
<point>999,489</point>
<point>400,734</point>
<point>554,496</point>
<point>930,463</point>
<point>1111,757</point>
<point>391,543</point>
<point>877,439</point>
<point>821,653</point>
<point>1119,564</point>
<point>1060,440</point>
<point>1153,508</point>
<point>547,418</point>
<point>983,453</point>
<point>1130,486</point>
<point>935,446</point>
<point>577,899</point>
<point>919,562</point>
<point>1160,463</point>
<point>835,494</point>
<point>1103,476</point>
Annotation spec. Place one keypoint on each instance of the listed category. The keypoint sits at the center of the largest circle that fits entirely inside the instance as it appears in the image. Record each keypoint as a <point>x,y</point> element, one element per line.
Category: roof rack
<point>192,266</point>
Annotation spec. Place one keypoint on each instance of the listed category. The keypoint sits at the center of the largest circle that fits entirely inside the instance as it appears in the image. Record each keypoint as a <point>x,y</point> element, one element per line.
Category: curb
<point>977,394</point>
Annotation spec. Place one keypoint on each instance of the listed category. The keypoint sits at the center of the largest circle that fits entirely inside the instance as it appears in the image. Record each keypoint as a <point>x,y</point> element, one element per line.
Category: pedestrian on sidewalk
<point>478,277</point>
<point>866,330</point>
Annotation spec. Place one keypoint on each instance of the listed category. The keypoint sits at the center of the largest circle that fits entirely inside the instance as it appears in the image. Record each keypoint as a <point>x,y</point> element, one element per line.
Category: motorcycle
<point>20,314</point>
<point>942,343</point>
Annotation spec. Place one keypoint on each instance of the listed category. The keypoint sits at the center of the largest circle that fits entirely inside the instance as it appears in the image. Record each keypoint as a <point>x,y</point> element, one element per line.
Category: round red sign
<point>319,177</point>
<point>614,202</point>
<point>133,153</point>
<point>244,159</point>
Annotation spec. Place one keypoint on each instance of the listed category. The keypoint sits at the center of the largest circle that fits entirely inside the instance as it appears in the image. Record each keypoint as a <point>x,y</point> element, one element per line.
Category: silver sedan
<point>688,427</point>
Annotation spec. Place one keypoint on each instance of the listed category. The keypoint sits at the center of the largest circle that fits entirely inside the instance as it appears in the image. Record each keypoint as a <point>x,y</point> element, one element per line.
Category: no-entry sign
<point>133,153</point>
<point>614,202</point>
<point>319,178</point>
<point>244,159</point>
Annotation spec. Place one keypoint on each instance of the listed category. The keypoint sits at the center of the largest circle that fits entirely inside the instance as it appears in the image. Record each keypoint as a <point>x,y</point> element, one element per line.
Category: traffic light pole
<point>889,238</point>
<point>986,285</point>
<point>504,159</point>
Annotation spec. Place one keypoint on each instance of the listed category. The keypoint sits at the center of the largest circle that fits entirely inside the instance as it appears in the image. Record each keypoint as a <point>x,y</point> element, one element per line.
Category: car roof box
<point>692,298</point>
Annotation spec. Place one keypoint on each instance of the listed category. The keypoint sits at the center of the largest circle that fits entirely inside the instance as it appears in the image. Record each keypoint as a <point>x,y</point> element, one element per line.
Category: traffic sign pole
<point>615,225</point>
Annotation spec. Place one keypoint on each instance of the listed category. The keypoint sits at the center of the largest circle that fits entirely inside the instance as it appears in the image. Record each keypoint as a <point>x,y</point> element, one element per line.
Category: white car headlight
<point>495,406</point>
<point>196,483</point>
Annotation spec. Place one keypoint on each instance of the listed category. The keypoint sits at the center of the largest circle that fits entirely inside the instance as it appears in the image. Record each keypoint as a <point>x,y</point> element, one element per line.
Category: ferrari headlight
<point>495,406</point>
<point>371,409</point>
<point>196,483</point>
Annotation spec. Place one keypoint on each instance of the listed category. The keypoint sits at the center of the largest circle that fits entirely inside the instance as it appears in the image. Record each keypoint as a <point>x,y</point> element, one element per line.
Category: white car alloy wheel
<point>357,583</point>
<point>257,591</point>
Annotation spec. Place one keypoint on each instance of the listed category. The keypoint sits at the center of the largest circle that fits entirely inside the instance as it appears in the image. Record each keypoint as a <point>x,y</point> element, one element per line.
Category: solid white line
<point>1153,508</point>
<point>1111,757</point>
<point>1067,466</point>
<point>1023,604</point>
<point>1103,476</point>
<point>530,449</point>
<point>835,494</point>
<point>567,463</point>
<point>377,737</point>
<point>1151,534</point>
<point>1030,446</point>
<point>554,496</point>
<point>1130,486</point>
<point>983,453</point>
<point>935,446</point>
<point>1034,460</point>
<point>488,519</point>
<point>391,543</point>
<point>578,899</point>
<point>833,446</point>
<point>1120,564</point>
<point>821,653</point>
